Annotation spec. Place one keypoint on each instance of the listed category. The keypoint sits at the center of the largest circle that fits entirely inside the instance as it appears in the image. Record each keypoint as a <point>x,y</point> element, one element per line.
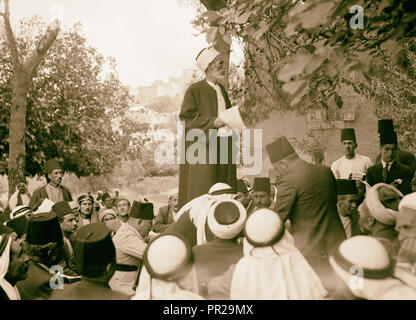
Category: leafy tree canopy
<point>72,102</point>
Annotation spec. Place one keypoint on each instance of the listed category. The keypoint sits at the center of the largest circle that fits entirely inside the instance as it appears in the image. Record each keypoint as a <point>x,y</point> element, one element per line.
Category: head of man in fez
<point>95,254</point>
<point>21,185</point>
<point>349,142</point>
<point>107,200</point>
<point>261,193</point>
<point>210,62</point>
<point>141,217</point>
<point>18,222</point>
<point>85,204</point>
<point>282,156</point>
<point>66,218</point>
<point>242,193</point>
<point>380,208</point>
<point>44,239</point>
<point>54,173</point>
<point>173,200</point>
<point>388,141</point>
<point>13,259</point>
<point>347,197</point>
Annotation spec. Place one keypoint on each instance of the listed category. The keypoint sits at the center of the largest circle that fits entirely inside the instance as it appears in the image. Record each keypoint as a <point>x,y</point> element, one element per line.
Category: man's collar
<point>212,84</point>
<point>383,163</point>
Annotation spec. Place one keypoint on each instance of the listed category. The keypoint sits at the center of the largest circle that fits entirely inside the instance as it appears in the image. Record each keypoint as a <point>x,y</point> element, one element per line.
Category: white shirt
<point>385,163</point>
<point>343,167</point>
<point>220,97</point>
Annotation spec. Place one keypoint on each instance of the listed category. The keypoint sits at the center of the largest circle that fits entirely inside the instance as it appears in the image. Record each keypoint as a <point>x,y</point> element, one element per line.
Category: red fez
<point>43,228</point>
<point>348,134</point>
<point>384,125</point>
<point>94,249</point>
<point>51,165</point>
<point>345,186</point>
<point>142,210</point>
<point>61,209</point>
<point>241,186</point>
<point>388,137</point>
<point>279,149</point>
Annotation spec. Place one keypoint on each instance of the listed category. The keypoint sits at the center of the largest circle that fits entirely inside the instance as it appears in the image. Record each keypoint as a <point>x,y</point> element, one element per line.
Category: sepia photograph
<point>207,154</point>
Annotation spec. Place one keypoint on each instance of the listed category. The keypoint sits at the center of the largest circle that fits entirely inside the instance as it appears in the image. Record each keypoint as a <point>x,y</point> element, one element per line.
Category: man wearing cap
<point>44,246</point>
<point>351,162</point>
<point>166,214</point>
<point>95,261</point>
<point>69,226</point>
<point>14,265</point>
<point>347,206</point>
<point>202,104</point>
<point>87,215</point>
<point>109,218</point>
<point>53,190</point>
<point>406,225</point>
<point>307,197</point>
<point>378,215</point>
<point>226,221</point>
<point>18,221</point>
<point>123,208</point>
<point>21,197</point>
<point>404,157</point>
<point>389,170</point>
<point>261,194</point>
<point>130,244</point>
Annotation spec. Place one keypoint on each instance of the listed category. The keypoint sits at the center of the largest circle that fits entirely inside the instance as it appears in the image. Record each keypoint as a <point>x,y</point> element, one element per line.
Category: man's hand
<point>218,123</point>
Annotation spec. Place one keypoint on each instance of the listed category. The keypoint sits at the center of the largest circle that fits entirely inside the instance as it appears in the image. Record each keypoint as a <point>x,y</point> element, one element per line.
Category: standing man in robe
<point>53,190</point>
<point>351,162</point>
<point>307,197</point>
<point>202,103</point>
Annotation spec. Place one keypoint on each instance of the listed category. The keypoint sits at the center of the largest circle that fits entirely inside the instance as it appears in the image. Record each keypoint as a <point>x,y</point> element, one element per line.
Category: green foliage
<point>298,54</point>
<point>164,104</point>
<point>72,101</point>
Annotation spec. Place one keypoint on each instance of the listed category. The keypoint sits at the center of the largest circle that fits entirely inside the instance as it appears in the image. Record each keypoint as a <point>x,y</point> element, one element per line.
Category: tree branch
<point>9,34</point>
<point>43,46</point>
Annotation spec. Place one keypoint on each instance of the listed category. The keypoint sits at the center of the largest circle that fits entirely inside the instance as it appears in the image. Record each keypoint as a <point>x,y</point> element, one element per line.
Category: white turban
<point>229,230</point>
<point>205,57</point>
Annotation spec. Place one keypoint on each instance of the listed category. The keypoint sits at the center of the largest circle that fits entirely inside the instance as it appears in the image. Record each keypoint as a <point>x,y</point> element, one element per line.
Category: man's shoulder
<point>198,85</point>
<point>363,158</point>
<point>39,189</point>
<point>164,209</point>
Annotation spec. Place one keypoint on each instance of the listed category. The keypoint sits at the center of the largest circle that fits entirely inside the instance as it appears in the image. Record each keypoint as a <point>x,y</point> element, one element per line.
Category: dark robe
<point>397,171</point>
<point>163,219</point>
<point>212,259</point>
<point>40,193</point>
<point>307,196</point>
<point>199,111</point>
<point>37,284</point>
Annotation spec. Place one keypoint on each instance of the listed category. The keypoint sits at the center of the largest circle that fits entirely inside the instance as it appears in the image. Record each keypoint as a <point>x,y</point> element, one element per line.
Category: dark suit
<point>307,196</point>
<point>36,285</point>
<point>397,171</point>
<point>404,157</point>
<point>163,219</point>
<point>40,193</point>
<point>88,290</point>
<point>199,111</point>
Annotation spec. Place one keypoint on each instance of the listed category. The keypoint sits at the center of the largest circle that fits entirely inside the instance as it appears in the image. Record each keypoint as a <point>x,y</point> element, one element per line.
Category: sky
<point>150,39</point>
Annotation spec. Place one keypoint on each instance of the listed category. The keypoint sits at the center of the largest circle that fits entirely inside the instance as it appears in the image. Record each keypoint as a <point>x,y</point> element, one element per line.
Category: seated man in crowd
<point>261,194</point>
<point>347,206</point>
<point>109,218</point>
<point>243,195</point>
<point>378,214</point>
<point>87,214</point>
<point>95,260</point>
<point>166,214</point>
<point>123,208</point>
<point>69,226</point>
<point>14,265</point>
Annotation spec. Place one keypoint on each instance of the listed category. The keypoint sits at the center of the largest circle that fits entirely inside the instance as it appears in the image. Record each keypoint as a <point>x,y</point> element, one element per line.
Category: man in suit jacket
<point>389,170</point>
<point>166,214</point>
<point>347,205</point>
<point>95,260</point>
<point>202,103</point>
<point>307,197</point>
<point>53,190</point>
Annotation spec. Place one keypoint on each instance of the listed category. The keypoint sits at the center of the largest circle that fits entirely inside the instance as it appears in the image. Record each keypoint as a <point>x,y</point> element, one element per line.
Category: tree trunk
<point>17,131</point>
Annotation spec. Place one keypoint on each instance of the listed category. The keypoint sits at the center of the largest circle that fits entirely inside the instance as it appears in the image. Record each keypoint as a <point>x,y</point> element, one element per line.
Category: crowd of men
<point>345,232</point>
